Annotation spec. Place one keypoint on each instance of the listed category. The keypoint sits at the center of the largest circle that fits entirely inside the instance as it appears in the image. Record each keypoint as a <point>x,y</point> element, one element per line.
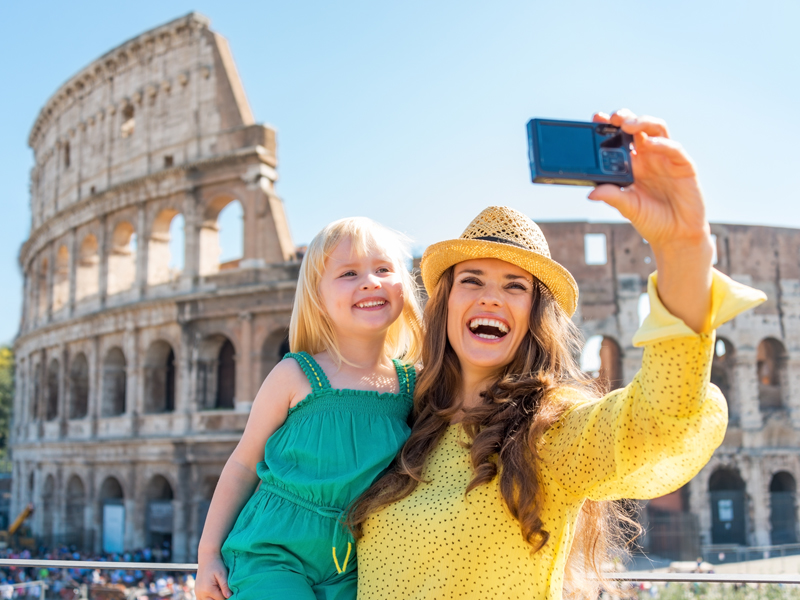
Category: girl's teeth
<point>370,304</point>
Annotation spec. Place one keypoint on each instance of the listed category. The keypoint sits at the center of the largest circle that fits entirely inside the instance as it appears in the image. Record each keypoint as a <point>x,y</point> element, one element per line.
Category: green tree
<point>6,396</point>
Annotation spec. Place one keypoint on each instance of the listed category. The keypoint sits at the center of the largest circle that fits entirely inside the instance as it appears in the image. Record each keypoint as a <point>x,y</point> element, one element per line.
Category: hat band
<point>491,238</point>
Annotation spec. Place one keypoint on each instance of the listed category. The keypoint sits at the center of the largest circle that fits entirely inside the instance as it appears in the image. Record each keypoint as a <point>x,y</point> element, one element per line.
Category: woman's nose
<point>490,297</point>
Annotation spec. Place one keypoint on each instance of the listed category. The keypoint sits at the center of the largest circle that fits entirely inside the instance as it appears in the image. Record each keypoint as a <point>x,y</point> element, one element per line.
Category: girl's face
<point>363,295</point>
<point>488,314</point>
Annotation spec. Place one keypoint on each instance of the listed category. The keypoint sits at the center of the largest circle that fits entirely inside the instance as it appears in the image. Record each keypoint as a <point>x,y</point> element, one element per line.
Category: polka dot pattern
<point>642,441</point>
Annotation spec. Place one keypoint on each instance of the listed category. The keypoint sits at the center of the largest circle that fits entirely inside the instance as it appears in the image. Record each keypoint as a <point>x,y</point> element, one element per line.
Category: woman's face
<point>488,312</point>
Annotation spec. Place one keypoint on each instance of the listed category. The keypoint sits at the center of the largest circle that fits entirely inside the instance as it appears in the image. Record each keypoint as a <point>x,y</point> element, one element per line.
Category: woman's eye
<point>517,286</point>
<point>471,280</point>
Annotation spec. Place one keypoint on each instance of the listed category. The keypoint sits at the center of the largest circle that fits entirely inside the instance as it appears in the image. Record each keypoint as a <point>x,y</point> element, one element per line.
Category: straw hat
<point>503,233</point>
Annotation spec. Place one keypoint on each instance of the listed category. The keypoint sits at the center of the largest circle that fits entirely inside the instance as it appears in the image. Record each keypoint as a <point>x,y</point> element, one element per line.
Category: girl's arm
<point>238,479</point>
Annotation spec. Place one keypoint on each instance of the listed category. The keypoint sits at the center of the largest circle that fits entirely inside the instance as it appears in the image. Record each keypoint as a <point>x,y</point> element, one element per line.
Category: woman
<point>513,461</point>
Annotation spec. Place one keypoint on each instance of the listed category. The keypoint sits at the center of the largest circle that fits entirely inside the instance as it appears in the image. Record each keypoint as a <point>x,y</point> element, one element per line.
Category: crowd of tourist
<point>93,584</point>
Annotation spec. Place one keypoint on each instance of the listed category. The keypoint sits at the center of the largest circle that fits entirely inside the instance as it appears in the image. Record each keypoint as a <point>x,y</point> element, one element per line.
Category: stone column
<point>73,270</point>
<point>95,407</point>
<point>191,236</point>
<point>244,364</point>
<point>50,271</point>
<point>102,249</point>
<point>63,391</point>
<point>184,392</point>
<point>134,381</point>
<point>792,394</point>
<point>142,243</point>
<point>746,384</point>
<point>272,234</point>
<point>758,492</point>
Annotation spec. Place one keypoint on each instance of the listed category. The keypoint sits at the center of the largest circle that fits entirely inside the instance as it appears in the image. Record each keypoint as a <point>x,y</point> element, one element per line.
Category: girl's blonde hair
<point>311,329</point>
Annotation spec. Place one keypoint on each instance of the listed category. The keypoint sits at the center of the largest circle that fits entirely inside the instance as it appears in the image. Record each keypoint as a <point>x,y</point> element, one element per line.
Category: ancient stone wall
<point>747,492</point>
<point>136,369</point>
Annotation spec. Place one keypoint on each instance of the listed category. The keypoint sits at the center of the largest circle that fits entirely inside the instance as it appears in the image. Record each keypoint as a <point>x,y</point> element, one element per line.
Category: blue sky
<point>413,113</point>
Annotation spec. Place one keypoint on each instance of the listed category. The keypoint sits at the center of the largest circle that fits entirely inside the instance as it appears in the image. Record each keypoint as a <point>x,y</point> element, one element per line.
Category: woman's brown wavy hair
<point>517,409</point>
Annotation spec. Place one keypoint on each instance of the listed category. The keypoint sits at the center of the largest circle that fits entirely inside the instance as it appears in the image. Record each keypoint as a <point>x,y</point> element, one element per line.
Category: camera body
<point>579,153</point>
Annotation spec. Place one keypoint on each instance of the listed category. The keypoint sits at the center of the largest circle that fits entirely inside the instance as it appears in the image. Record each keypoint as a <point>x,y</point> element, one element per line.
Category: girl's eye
<point>384,270</point>
<point>348,274</point>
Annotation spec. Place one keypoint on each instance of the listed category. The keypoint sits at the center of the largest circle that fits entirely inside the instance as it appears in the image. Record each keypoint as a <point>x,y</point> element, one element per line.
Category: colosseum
<point>139,351</point>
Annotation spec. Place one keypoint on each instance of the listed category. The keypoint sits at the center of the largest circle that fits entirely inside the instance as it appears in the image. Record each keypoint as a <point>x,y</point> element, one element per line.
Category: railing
<point>718,554</point>
<point>191,567</point>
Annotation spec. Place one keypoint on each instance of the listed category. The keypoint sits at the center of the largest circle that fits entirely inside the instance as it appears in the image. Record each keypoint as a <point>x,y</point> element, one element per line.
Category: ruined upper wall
<point>164,99</point>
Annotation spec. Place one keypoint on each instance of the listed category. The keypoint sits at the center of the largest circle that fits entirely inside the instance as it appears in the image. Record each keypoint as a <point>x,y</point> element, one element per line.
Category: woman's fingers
<point>625,200</point>
<point>652,126</point>
<point>600,117</point>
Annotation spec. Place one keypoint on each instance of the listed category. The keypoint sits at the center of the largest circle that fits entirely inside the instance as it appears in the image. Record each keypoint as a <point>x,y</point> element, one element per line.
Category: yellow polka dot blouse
<point>642,441</point>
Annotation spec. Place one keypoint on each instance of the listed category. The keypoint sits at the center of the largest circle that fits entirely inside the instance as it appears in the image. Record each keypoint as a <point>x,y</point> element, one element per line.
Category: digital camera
<point>579,153</point>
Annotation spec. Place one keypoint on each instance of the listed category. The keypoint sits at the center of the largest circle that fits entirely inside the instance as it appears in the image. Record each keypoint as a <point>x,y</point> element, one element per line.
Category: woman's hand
<point>212,579</point>
<point>666,207</point>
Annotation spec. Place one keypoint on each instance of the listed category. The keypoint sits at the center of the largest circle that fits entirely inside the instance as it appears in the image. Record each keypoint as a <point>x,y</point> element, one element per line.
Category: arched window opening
<point>602,360</point>
<point>114,383</point>
<point>771,366</point>
<point>275,346</point>
<point>51,408</point>
<point>76,501</point>
<point>128,121</point>
<point>783,508</point>
<point>159,378</point>
<point>165,251</point>
<point>88,272</point>
<point>231,236</point>
<point>722,374</point>
<point>727,491</point>
<point>48,508</point>
<point>222,236</point>
<point>159,519</point>
<point>79,387</point>
<point>41,288</point>
<point>226,376</point>
<point>61,279</point>
<point>216,372</point>
<point>36,392</point>
<point>113,514</point>
<point>122,259</point>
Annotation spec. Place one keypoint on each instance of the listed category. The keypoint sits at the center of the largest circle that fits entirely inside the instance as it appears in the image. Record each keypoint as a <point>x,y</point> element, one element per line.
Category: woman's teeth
<point>371,303</point>
<point>488,329</point>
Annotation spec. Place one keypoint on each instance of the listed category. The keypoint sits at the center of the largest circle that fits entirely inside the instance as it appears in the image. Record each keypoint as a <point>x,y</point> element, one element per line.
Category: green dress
<point>289,541</point>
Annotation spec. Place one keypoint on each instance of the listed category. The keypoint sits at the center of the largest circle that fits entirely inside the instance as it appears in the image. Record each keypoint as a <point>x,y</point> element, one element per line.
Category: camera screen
<point>565,148</point>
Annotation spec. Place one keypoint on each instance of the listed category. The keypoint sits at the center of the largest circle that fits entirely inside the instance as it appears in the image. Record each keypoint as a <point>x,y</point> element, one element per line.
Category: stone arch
<point>214,238</point>
<point>87,278</point>
<point>41,288</point>
<point>61,279</point>
<point>771,360</point>
<point>728,512</point>
<point>78,387</point>
<point>112,513</point>
<point>783,508</point>
<point>601,358</point>
<point>159,518</point>
<point>216,371</point>
<point>51,399</point>
<point>76,502</point>
<point>275,346</point>
<point>48,509</point>
<point>122,258</point>
<point>161,265</point>
<point>159,378</point>
<point>114,383</point>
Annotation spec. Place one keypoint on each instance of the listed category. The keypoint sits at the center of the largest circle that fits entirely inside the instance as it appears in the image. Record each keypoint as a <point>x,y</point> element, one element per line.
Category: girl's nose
<point>370,282</point>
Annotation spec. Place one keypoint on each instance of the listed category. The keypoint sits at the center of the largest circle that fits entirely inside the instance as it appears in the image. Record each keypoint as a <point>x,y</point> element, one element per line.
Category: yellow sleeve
<point>652,436</point>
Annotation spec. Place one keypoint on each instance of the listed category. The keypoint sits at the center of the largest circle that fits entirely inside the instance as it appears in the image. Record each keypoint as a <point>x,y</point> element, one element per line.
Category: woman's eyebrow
<point>511,276</point>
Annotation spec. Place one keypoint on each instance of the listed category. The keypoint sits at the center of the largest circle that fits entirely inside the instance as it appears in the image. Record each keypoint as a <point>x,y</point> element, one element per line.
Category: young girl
<point>326,422</point>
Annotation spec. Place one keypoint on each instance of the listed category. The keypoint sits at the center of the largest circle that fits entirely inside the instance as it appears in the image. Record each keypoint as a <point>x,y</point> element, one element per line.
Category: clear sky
<point>413,113</point>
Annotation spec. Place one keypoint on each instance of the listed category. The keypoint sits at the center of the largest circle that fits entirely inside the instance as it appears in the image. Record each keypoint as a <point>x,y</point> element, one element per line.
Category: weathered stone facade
<point>134,378</point>
<point>747,492</point>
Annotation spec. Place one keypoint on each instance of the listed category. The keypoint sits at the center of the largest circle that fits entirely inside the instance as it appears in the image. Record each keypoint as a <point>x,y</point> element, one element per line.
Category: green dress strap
<point>314,373</point>
<point>406,376</point>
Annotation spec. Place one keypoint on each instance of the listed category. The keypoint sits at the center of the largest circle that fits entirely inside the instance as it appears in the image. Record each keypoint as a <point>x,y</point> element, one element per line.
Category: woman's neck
<point>473,383</point>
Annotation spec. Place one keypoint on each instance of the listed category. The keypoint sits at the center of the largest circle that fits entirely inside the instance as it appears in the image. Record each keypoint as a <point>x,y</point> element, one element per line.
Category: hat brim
<point>443,255</point>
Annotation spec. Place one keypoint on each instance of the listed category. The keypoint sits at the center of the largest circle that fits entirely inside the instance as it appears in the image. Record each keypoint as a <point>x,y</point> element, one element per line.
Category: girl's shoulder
<point>288,375</point>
